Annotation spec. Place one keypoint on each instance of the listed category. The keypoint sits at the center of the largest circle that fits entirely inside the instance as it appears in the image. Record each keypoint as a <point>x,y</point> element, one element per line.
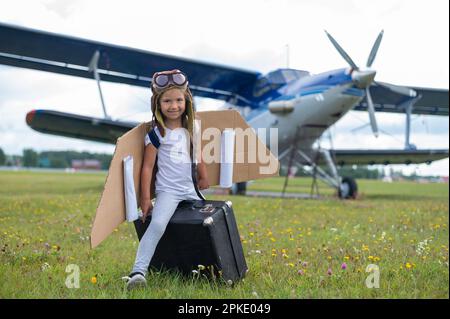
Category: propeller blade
<point>342,52</point>
<point>373,52</point>
<point>371,109</point>
<point>398,89</point>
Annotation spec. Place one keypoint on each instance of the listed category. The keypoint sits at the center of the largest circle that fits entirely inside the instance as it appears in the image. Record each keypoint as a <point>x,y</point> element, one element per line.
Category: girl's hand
<point>147,207</point>
<point>203,183</point>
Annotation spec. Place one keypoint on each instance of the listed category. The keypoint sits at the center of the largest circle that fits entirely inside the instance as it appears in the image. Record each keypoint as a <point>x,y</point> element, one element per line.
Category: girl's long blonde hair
<point>187,120</point>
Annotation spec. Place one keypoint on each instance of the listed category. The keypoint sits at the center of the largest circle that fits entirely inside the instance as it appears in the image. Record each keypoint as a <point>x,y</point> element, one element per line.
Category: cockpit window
<point>283,76</point>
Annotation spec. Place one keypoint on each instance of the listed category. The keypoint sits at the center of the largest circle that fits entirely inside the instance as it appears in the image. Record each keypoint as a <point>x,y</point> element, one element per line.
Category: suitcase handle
<point>192,203</point>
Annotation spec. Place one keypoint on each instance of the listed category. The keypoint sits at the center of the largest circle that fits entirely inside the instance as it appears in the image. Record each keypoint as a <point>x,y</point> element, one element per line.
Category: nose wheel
<point>348,188</point>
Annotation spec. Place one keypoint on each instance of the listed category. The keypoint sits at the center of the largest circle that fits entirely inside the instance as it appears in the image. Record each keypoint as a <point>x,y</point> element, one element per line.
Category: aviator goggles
<point>163,80</point>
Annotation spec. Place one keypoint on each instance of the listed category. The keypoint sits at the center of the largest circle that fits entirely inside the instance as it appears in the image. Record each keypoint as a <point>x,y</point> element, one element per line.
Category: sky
<point>255,35</point>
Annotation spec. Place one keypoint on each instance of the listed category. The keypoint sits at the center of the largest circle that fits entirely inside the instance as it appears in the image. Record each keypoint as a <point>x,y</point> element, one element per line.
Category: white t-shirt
<point>174,173</point>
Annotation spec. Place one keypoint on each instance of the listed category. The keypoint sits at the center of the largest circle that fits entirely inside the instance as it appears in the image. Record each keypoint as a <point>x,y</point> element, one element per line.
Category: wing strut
<point>408,106</point>
<point>93,67</point>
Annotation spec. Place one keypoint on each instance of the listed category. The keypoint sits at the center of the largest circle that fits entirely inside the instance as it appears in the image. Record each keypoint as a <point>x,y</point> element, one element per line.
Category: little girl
<point>173,119</point>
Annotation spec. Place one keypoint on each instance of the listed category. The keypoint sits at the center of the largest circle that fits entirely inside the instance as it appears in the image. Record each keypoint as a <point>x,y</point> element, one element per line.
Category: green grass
<point>45,221</point>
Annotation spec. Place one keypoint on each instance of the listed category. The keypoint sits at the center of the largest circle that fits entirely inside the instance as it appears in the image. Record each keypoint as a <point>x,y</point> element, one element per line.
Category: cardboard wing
<point>248,164</point>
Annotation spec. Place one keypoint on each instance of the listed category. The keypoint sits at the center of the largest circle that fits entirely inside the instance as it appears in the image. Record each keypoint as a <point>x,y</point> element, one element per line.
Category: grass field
<point>294,248</point>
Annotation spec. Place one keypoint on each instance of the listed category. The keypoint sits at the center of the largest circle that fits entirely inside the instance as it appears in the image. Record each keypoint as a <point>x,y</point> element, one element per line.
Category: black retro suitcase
<point>200,233</point>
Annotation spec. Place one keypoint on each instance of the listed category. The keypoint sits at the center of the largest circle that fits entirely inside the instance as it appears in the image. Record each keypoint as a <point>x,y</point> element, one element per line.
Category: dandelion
<point>408,265</point>
<point>94,280</point>
<point>346,258</point>
<point>375,259</point>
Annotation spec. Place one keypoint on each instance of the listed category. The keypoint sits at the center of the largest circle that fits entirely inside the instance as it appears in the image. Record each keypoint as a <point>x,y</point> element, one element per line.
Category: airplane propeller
<point>364,78</point>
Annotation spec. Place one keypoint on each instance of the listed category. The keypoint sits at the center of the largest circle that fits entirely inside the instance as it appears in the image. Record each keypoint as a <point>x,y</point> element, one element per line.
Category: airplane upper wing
<point>431,101</point>
<point>28,48</point>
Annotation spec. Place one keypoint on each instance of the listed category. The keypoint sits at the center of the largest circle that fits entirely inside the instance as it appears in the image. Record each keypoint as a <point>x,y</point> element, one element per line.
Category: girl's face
<point>173,104</point>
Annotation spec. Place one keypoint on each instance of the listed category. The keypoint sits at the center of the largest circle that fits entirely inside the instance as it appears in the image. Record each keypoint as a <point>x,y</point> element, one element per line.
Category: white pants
<point>165,206</point>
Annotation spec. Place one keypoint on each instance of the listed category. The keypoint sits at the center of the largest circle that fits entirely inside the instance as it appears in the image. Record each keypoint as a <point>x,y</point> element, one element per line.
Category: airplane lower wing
<point>107,131</point>
<point>77,126</point>
<point>371,157</point>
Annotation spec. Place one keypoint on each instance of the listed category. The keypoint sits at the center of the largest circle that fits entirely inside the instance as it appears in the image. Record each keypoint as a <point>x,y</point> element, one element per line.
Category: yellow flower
<point>94,280</point>
<point>375,259</point>
<point>291,265</point>
<point>408,266</point>
<point>252,234</point>
<point>346,258</point>
<point>370,257</point>
<point>272,239</point>
<point>329,257</point>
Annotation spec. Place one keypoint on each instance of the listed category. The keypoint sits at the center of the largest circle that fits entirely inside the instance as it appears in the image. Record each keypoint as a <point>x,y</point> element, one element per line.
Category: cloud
<point>246,34</point>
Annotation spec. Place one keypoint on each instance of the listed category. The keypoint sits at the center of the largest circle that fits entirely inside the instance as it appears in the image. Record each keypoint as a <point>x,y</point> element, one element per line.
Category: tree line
<point>51,159</point>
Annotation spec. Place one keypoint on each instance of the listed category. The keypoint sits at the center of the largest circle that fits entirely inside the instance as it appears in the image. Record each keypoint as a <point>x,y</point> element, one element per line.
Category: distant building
<point>44,162</point>
<point>86,164</point>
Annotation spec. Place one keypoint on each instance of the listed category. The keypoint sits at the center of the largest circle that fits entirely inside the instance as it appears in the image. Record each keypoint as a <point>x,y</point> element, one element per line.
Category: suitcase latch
<point>208,208</point>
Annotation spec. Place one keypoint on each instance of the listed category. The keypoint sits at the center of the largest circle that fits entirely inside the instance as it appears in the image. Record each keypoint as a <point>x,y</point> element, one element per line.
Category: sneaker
<point>135,280</point>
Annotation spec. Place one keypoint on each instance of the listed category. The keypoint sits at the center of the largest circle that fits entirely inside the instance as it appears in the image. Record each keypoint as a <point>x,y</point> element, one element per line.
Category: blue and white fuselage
<point>310,101</point>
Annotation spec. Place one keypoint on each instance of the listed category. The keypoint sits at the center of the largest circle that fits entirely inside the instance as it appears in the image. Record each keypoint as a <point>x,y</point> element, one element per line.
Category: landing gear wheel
<point>239,188</point>
<point>348,188</point>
